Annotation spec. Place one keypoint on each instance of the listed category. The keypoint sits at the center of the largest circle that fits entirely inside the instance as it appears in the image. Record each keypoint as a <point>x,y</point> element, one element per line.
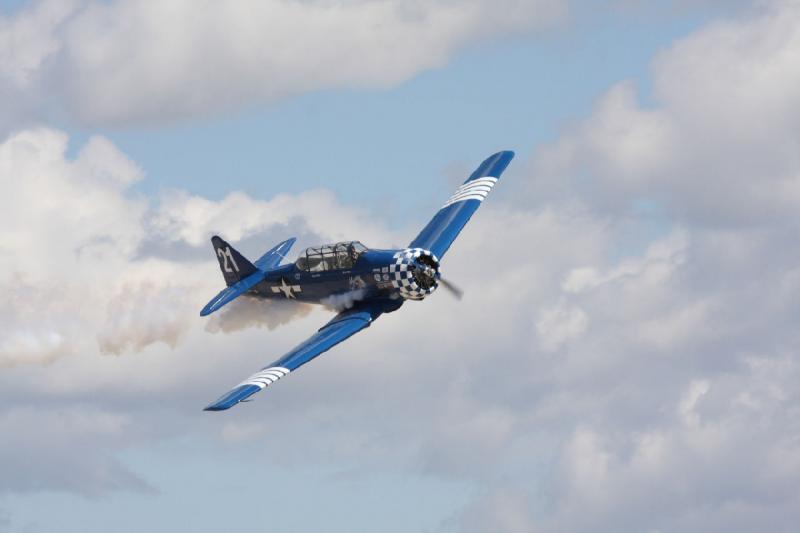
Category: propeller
<point>426,275</point>
<point>455,291</point>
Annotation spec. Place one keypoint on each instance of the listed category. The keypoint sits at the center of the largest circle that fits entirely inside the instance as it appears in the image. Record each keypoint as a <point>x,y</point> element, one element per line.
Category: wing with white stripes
<point>340,328</point>
<point>445,226</point>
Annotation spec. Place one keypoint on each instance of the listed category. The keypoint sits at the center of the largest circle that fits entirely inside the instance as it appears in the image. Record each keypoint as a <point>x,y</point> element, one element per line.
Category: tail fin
<point>234,266</point>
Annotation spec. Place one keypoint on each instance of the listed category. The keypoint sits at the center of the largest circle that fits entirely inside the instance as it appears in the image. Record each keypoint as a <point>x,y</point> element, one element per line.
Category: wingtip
<point>499,159</point>
<point>233,397</point>
<point>220,405</point>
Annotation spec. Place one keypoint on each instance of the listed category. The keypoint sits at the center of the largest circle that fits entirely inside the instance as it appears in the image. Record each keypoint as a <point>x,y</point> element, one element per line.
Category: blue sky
<point>630,286</point>
<point>510,93</point>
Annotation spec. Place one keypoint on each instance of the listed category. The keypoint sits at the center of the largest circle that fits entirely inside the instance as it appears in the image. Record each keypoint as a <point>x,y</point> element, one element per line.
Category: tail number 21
<point>227,260</point>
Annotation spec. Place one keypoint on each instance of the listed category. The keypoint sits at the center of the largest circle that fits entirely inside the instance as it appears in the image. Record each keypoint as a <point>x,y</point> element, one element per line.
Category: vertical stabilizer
<point>234,266</point>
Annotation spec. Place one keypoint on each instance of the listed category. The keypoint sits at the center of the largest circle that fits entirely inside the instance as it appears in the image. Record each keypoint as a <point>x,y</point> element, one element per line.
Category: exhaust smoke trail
<point>341,302</point>
<point>246,312</point>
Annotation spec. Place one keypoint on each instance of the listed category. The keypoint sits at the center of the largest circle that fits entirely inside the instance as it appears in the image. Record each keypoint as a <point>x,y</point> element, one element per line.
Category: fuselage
<point>292,283</point>
<point>365,274</point>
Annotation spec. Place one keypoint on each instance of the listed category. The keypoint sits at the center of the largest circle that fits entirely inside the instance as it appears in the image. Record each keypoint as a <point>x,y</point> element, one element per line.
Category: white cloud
<point>87,263</point>
<point>504,509</point>
<point>92,269</point>
<point>609,428</point>
<point>65,448</point>
<point>68,226</point>
<point>28,39</point>
<point>560,324</point>
<point>185,218</point>
<point>584,384</point>
<point>671,409</point>
<point>686,407</point>
<point>131,61</point>
<point>716,146</point>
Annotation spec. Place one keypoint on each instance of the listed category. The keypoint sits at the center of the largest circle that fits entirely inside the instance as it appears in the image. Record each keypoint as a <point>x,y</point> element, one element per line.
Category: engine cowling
<point>414,273</point>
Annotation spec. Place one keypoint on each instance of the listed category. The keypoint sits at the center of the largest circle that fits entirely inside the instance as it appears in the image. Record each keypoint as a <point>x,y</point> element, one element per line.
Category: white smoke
<point>143,314</point>
<point>248,311</point>
<point>30,328</point>
<point>341,302</point>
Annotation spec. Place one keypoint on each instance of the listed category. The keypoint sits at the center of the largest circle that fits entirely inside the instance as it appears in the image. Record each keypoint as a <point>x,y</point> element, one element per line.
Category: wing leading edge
<point>448,222</point>
<point>341,327</point>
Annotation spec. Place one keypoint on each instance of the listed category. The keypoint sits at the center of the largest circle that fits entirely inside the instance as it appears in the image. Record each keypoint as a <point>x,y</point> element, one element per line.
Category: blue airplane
<point>374,281</point>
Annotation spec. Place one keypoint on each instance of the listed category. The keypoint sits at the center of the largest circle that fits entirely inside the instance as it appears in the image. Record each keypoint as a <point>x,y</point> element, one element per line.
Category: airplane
<point>374,281</point>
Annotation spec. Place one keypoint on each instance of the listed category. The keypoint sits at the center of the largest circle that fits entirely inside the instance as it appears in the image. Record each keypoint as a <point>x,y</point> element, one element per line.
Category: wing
<point>273,257</point>
<point>445,226</point>
<point>340,328</point>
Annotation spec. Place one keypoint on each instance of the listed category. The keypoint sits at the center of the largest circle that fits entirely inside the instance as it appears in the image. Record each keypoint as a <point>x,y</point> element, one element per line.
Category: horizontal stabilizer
<point>272,258</point>
<point>232,292</point>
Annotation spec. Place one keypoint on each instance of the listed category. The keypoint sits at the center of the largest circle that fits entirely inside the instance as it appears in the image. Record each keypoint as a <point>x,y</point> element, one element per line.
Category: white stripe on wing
<point>266,377</point>
<point>473,190</point>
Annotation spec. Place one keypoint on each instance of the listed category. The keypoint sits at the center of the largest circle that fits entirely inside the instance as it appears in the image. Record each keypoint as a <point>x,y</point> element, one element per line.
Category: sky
<point>625,358</point>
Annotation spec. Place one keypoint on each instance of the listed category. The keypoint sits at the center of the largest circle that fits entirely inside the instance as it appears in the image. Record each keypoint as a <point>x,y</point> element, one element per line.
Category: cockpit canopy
<point>341,255</point>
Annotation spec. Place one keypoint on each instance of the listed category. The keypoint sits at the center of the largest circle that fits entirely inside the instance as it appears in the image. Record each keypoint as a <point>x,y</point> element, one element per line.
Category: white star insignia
<point>286,289</point>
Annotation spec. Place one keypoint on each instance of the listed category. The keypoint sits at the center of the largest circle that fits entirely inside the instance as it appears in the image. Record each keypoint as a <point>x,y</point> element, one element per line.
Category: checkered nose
<point>415,273</point>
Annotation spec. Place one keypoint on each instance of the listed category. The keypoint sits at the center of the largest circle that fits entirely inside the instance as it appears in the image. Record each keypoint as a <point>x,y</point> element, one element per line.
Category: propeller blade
<point>455,291</point>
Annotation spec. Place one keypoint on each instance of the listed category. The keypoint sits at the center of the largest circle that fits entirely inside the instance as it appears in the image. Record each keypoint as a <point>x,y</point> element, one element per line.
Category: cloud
<point>662,380</point>
<point>129,61</point>
<point>715,146</point>
<point>80,285</point>
<point>558,325</point>
<point>584,382</point>
<point>67,449</point>
<point>502,508</point>
<point>76,261</point>
<point>71,225</point>
<point>708,454</point>
<point>191,219</point>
